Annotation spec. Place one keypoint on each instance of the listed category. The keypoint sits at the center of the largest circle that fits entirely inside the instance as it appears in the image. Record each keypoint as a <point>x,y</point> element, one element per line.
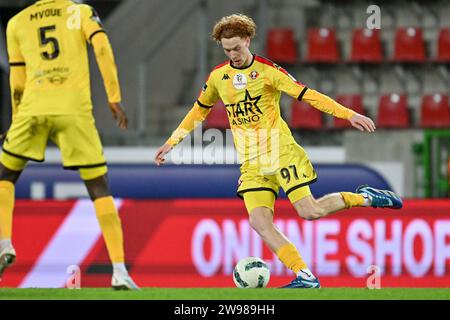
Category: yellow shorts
<point>291,171</point>
<point>76,137</point>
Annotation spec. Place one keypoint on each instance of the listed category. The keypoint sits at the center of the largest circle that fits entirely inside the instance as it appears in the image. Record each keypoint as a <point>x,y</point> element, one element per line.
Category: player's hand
<point>362,123</point>
<point>119,115</point>
<point>161,153</point>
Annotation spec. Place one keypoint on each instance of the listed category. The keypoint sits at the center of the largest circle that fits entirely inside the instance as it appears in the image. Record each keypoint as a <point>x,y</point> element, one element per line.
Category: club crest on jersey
<point>240,81</point>
<point>254,74</point>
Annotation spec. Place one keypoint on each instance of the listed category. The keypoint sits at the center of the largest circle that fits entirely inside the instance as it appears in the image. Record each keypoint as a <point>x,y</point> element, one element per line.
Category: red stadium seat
<point>366,46</point>
<point>351,101</point>
<point>435,111</point>
<point>409,45</point>
<point>218,117</point>
<point>393,111</point>
<point>304,116</point>
<point>443,54</point>
<point>281,46</point>
<point>322,45</point>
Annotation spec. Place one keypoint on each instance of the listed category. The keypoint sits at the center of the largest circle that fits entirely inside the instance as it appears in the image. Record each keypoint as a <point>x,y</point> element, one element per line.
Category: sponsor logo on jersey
<point>226,77</point>
<point>57,79</point>
<point>240,81</point>
<point>254,74</point>
<point>245,111</point>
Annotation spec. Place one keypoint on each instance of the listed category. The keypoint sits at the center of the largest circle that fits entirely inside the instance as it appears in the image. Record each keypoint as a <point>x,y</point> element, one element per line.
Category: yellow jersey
<point>251,96</point>
<point>50,39</point>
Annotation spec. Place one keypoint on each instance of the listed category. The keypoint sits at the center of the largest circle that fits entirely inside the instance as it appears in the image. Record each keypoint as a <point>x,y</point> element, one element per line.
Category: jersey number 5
<point>45,40</point>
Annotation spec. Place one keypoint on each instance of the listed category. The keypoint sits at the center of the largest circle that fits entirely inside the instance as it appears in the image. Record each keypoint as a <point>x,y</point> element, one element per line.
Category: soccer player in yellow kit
<point>250,87</point>
<point>51,100</point>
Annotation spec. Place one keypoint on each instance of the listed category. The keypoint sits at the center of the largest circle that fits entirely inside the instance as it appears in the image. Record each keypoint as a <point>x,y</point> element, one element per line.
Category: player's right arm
<point>202,107</point>
<point>18,75</point>
<point>96,36</point>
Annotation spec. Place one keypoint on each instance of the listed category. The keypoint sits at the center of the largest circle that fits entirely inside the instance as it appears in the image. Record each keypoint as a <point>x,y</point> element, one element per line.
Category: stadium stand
<point>303,116</point>
<point>366,46</point>
<point>409,45</point>
<point>323,45</point>
<point>352,101</point>
<point>435,111</point>
<point>393,111</point>
<point>281,46</point>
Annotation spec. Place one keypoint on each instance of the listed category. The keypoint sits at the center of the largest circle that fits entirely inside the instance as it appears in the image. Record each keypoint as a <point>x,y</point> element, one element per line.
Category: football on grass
<point>251,272</point>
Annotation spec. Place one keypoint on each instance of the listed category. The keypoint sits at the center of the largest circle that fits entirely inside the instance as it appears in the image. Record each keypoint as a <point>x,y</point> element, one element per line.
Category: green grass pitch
<point>226,294</point>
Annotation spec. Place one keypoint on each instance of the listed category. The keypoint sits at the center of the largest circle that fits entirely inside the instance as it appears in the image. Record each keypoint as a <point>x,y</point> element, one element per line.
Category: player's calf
<point>311,215</point>
<point>310,209</point>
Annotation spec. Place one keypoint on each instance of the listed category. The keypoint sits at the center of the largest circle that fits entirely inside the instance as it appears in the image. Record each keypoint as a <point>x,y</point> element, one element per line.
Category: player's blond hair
<point>235,25</point>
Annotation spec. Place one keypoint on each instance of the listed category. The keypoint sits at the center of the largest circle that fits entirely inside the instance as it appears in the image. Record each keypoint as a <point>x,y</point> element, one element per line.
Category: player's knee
<point>256,222</point>
<point>98,188</point>
<point>259,221</point>
<point>88,174</point>
<point>7,174</point>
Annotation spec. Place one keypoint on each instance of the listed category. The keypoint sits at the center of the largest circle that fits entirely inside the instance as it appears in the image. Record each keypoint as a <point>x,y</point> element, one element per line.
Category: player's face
<point>237,51</point>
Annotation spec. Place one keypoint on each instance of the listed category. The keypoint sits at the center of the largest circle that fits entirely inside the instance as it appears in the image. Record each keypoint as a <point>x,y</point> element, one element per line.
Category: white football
<point>251,272</point>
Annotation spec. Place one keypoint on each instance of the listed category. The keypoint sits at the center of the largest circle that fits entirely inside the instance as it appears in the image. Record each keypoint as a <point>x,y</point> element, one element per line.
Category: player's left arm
<point>288,84</point>
<point>330,106</point>
<point>201,109</point>
<point>18,77</point>
<point>97,37</point>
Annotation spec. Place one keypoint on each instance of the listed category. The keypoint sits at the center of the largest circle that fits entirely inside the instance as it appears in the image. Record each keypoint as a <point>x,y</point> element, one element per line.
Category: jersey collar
<point>242,68</point>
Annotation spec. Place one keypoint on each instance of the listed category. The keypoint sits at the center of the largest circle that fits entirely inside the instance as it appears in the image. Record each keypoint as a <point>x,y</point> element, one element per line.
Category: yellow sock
<point>109,221</point>
<point>6,209</point>
<point>291,258</point>
<point>352,199</point>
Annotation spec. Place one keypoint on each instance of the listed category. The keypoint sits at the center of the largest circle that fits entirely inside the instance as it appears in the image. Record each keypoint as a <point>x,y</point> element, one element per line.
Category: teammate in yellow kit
<point>51,100</point>
<point>250,87</point>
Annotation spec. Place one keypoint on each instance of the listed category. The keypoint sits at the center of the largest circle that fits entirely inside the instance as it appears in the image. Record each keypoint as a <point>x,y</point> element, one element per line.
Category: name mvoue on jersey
<point>50,86</point>
<point>52,37</point>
